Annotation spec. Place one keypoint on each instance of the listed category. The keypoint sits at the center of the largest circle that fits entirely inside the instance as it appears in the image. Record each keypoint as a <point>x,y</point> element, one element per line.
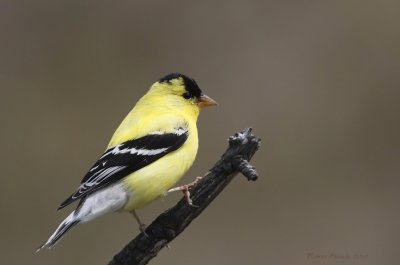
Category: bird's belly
<point>154,180</point>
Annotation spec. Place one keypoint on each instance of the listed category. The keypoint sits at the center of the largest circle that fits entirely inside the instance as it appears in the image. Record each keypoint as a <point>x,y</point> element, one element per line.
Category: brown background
<point>318,81</point>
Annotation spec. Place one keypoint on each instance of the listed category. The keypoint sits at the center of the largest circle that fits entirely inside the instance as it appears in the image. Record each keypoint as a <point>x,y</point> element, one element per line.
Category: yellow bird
<point>149,153</point>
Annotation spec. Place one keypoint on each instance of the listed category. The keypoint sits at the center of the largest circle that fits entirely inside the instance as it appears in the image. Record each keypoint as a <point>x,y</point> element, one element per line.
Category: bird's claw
<point>186,190</point>
<point>188,199</point>
<point>142,228</point>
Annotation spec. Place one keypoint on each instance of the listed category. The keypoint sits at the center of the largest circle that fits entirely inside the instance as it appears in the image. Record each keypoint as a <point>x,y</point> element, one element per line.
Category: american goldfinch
<point>150,151</point>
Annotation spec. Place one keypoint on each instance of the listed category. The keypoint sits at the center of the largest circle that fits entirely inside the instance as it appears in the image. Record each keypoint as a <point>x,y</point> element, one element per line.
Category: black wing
<point>123,159</point>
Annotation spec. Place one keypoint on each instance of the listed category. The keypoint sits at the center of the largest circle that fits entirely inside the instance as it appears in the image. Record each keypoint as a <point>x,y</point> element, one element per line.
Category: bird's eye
<point>187,95</point>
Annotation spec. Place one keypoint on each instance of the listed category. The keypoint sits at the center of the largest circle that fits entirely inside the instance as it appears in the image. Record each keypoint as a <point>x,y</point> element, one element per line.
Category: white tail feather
<point>97,204</point>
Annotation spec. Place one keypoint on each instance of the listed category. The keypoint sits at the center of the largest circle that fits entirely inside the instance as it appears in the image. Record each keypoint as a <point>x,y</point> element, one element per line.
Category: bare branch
<point>171,223</point>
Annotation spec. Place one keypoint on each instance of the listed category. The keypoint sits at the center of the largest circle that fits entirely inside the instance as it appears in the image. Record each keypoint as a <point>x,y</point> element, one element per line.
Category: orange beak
<point>206,101</point>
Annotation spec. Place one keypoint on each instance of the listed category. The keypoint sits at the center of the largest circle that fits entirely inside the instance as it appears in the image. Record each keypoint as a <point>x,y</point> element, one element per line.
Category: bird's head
<point>179,91</point>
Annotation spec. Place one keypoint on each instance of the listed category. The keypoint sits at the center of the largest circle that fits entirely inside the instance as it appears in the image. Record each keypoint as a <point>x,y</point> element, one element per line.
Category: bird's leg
<point>186,190</point>
<point>142,226</point>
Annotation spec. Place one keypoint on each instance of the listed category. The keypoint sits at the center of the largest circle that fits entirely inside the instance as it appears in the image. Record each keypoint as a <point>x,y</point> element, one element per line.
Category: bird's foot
<point>142,226</point>
<point>186,190</point>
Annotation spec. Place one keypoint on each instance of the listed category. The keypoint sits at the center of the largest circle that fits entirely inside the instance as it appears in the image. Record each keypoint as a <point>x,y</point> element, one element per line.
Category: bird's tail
<point>63,228</point>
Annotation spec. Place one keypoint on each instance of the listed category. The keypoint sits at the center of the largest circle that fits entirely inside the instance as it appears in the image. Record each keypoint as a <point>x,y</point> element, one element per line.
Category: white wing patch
<point>98,177</point>
<point>180,131</point>
<point>134,151</point>
<point>142,151</point>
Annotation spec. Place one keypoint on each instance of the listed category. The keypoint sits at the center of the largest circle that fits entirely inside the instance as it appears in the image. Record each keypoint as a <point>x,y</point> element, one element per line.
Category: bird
<point>150,151</point>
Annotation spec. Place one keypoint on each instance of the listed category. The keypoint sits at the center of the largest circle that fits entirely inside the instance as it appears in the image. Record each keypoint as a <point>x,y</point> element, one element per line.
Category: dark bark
<point>171,223</point>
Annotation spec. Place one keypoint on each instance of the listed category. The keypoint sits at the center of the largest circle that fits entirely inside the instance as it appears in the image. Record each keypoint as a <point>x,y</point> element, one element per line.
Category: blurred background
<point>317,80</point>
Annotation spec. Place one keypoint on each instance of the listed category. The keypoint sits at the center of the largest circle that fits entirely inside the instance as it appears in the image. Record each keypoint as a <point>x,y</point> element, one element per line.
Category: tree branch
<point>171,223</point>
